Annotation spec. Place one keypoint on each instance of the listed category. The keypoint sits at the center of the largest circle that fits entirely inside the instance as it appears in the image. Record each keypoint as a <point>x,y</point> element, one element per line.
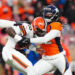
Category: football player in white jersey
<point>10,55</point>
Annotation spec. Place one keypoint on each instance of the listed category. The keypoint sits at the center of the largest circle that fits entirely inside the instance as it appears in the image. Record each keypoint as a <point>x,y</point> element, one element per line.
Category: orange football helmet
<point>39,26</point>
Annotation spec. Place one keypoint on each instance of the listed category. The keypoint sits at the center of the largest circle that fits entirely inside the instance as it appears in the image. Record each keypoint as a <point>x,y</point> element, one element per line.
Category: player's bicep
<point>53,34</point>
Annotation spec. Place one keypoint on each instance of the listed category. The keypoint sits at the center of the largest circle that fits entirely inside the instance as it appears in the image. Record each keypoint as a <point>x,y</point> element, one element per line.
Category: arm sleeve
<point>6,23</point>
<point>49,36</point>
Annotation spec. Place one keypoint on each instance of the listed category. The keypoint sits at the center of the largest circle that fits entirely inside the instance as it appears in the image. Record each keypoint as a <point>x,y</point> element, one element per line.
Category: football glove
<point>24,41</point>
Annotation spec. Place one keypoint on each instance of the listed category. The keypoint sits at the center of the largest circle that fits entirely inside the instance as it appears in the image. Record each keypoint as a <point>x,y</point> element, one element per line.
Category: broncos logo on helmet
<point>50,13</point>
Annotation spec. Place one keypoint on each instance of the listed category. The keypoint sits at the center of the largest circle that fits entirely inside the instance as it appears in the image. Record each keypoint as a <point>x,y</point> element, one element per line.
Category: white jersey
<point>10,55</point>
<point>24,29</point>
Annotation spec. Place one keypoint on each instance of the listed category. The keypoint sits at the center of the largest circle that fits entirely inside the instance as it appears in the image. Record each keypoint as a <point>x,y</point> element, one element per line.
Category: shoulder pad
<point>56,25</point>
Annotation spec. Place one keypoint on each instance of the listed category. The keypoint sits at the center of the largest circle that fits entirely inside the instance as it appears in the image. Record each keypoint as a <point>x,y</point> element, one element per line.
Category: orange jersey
<point>54,47</point>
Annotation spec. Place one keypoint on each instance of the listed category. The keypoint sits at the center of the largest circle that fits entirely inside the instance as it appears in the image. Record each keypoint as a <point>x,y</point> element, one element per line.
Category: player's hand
<point>24,41</point>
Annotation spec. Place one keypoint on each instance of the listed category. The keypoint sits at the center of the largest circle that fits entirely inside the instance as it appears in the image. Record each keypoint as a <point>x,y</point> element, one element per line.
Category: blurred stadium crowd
<point>27,10</point>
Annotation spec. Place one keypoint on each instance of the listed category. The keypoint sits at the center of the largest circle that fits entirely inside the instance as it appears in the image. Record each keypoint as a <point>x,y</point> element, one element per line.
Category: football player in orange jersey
<point>47,32</point>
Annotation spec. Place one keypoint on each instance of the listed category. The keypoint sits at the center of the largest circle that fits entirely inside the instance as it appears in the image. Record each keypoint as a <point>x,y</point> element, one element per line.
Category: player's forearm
<point>51,35</point>
<point>6,23</point>
<point>11,32</point>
